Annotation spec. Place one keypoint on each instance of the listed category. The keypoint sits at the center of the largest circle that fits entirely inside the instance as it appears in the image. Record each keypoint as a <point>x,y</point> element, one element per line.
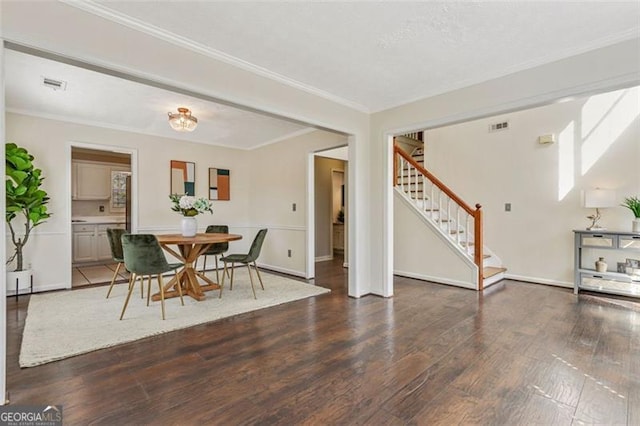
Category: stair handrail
<point>475,213</point>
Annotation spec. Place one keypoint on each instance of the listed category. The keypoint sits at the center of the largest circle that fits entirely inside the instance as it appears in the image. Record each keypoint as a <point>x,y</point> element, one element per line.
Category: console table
<point>615,247</point>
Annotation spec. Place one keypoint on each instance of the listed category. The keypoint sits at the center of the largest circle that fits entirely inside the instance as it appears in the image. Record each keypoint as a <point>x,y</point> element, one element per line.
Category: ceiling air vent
<point>498,127</point>
<point>54,84</point>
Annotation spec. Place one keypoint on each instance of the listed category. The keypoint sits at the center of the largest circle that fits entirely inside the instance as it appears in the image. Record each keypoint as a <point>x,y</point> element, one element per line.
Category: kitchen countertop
<point>90,220</point>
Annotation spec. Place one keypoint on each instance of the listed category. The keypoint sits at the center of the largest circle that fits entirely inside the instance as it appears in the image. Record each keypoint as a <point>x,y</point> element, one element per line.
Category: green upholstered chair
<point>247,259</point>
<point>114,236</point>
<point>143,256</point>
<point>215,249</point>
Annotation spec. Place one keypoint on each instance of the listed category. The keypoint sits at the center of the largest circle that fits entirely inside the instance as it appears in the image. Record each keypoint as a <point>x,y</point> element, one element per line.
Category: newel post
<point>479,244</point>
<point>395,165</point>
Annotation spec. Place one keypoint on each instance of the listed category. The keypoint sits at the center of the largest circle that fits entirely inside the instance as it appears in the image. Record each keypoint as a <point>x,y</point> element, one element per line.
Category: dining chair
<point>143,256</point>
<point>114,236</point>
<point>216,249</point>
<point>247,259</point>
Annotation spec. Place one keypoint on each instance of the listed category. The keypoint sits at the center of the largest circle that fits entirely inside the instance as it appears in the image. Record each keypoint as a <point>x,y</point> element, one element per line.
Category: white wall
<point>3,289</point>
<point>613,66</point>
<point>543,183</point>
<point>420,253</point>
<point>48,140</point>
<point>278,181</point>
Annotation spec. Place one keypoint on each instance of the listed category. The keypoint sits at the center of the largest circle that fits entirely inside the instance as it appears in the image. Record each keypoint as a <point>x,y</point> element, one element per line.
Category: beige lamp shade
<point>599,198</point>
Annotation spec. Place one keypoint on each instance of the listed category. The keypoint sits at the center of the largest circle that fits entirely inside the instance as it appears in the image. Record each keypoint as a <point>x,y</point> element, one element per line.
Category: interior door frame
<point>133,153</point>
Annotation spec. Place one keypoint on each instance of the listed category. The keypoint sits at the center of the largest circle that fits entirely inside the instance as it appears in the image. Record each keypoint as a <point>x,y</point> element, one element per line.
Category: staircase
<point>458,223</point>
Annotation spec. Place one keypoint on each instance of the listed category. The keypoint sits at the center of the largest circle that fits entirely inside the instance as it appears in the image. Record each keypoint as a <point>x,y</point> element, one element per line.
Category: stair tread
<point>490,271</point>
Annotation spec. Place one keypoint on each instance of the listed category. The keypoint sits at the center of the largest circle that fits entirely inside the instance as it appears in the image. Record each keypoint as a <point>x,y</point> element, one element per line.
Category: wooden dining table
<point>189,249</point>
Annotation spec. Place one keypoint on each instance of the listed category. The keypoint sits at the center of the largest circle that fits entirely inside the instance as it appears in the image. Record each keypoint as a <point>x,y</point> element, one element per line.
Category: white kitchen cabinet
<point>103,248</point>
<point>84,244</point>
<point>91,181</point>
<point>90,242</point>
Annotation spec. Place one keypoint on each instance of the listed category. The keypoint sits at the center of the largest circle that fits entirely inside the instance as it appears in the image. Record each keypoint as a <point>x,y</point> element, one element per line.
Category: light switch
<point>507,207</point>
<point>293,207</point>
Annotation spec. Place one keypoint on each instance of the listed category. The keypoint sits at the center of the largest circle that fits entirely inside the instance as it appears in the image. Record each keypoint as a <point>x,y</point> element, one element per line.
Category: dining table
<point>189,249</point>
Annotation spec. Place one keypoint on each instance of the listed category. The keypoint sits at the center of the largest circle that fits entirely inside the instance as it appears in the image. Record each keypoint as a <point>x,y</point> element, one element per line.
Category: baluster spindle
<point>468,234</point>
<point>449,217</point>
<point>457,224</point>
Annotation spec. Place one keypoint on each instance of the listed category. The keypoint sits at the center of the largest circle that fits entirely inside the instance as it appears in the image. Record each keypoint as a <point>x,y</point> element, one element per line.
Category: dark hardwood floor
<point>520,354</point>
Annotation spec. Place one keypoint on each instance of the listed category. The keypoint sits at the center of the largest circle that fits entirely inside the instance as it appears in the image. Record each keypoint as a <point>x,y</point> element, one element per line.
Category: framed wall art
<point>183,177</point>
<point>219,184</point>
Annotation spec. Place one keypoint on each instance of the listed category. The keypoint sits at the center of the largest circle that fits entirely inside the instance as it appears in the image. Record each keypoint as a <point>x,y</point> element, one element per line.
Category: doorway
<point>330,207</point>
<point>102,197</point>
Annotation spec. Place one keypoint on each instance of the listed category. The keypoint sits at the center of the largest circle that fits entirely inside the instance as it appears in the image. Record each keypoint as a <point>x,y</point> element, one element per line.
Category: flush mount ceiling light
<point>183,121</point>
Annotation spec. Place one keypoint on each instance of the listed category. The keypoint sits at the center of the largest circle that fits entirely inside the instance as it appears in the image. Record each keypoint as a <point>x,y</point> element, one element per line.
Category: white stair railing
<point>461,224</point>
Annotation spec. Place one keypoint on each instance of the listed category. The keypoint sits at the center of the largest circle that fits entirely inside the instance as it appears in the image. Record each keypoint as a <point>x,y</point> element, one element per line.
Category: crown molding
<point>104,12</point>
<point>285,137</point>
<point>110,126</point>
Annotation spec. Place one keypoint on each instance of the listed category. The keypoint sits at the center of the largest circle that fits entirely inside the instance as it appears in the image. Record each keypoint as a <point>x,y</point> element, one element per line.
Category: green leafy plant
<point>340,217</point>
<point>24,198</point>
<point>633,204</point>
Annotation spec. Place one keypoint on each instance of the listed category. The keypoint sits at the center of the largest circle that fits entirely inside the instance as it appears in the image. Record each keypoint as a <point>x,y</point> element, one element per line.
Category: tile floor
<point>97,274</point>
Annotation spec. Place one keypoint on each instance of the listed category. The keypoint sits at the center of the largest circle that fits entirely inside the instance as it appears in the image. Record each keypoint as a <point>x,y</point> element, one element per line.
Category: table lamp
<point>598,199</point>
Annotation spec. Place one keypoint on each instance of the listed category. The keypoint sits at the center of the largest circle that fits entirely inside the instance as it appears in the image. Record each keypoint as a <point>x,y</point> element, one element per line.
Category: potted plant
<point>189,207</point>
<point>25,200</point>
<point>633,204</point>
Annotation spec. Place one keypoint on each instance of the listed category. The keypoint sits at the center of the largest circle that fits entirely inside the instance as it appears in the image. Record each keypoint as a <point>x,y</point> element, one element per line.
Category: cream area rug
<point>63,324</point>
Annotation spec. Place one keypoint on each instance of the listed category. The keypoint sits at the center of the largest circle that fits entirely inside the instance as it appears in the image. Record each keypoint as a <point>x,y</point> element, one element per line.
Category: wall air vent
<point>498,127</point>
<point>54,84</point>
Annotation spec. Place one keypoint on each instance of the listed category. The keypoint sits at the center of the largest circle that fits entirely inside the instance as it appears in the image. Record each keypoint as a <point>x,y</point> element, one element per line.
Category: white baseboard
<point>537,280</point>
<point>283,270</point>
<point>438,280</point>
<point>324,258</point>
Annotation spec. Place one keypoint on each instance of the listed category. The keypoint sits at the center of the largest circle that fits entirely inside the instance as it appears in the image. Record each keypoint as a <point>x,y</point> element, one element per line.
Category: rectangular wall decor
<point>219,185</point>
<point>183,177</point>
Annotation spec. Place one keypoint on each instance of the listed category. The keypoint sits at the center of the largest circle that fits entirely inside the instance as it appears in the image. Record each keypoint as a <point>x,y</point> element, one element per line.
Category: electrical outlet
<point>101,208</point>
<point>507,207</point>
<point>289,253</point>
<point>293,207</point>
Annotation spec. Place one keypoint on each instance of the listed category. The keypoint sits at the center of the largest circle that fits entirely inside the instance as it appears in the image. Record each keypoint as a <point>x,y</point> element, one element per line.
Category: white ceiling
<point>376,55</point>
<point>102,100</point>
<point>368,55</point>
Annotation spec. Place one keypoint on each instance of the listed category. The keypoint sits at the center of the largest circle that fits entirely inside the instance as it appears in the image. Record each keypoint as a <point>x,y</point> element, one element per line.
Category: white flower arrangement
<point>190,206</point>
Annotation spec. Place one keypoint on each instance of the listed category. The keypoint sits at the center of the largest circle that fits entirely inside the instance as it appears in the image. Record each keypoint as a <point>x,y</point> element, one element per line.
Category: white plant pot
<point>635,225</point>
<point>23,277</point>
